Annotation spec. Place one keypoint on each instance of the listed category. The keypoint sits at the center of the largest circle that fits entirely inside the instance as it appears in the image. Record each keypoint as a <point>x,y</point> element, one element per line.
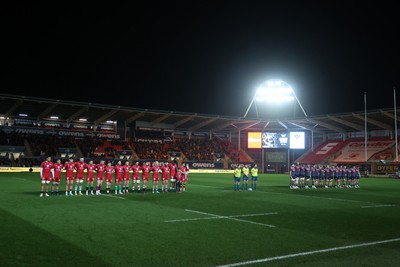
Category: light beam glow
<point>275,91</point>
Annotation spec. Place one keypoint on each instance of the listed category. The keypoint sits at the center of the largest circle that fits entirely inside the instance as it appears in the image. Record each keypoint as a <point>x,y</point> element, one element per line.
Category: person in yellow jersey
<point>237,173</point>
<point>254,176</point>
<point>245,172</point>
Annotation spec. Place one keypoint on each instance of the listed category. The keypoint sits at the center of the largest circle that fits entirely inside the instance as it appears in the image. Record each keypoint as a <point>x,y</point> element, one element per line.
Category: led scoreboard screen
<point>297,140</point>
<point>275,140</point>
<point>254,140</point>
<point>292,140</point>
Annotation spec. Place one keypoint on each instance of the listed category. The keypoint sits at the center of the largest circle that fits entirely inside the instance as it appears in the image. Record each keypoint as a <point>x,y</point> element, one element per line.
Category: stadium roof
<point>40,109</point>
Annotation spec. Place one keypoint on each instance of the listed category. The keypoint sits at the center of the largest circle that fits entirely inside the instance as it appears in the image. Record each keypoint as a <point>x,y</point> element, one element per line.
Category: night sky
<point>203,56</point>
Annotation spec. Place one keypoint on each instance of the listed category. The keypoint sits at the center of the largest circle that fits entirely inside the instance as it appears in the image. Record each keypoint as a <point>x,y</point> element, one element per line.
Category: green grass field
<point>209,225</point>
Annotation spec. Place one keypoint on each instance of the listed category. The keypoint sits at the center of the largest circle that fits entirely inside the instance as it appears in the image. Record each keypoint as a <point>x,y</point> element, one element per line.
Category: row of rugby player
<point>173,178</point>
<point>339,176</point>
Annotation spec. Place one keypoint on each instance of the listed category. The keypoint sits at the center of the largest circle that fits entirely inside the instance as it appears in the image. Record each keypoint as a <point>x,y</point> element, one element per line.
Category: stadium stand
<point>354,150</point>
<point>97,131</point>
<point>322,152</point>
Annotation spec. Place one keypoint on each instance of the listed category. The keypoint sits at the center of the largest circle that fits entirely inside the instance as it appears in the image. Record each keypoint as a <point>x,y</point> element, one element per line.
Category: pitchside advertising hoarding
<point>386,169</point>
<point>205,165</point>
<point>292,140</point>
<point>58,132</point>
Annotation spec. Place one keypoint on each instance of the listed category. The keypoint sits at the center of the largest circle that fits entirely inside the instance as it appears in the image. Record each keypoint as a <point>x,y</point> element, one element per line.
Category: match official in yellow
<point>245,172</point>
<point>254,176</point>
<point>237,173</point>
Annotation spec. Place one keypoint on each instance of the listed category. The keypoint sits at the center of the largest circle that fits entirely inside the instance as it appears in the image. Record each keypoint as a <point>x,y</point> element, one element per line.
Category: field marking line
<point>112,196</point>
<point>311,252</point>
<point>193,219</point>
<point>222,217</point>
<point>227,217</point>
<point>22,179</point>
<point>379,206</point>
<point>328,198</point>
<point>251,215</point>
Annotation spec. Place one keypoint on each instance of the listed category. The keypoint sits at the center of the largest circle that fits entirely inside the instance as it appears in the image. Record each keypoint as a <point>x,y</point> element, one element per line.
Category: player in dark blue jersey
<point>314,176</point>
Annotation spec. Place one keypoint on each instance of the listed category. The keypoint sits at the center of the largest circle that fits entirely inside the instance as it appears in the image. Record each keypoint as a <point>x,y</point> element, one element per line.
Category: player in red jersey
<point>135,176</point>
<point>178,181</point>
<point>109,175</point>
<point>69,168</point>
<point>164,176</point>
<point>58,166</point>
<point>90,168</point>
<point>46,174</point>
<point>119,171</point>
<point>145,175</point>
<point>185,178</point>
<point>100,169</point>
<point>127,177</point>
<point>172,175</point>
<point>80,167</point>
<point>156,170</point>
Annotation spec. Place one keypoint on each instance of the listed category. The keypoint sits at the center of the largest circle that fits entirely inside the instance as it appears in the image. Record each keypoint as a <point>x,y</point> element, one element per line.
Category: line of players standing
<point>339,176</point>
<point>173,179</point>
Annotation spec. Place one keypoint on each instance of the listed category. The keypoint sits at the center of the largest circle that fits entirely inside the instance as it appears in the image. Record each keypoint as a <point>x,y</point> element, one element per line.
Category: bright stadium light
<point>275,91</point>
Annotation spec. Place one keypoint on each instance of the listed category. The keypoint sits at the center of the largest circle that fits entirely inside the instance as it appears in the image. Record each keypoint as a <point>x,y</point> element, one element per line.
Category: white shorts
<point>45,181</point>
<point>173,180</point>
<point>79,181</point>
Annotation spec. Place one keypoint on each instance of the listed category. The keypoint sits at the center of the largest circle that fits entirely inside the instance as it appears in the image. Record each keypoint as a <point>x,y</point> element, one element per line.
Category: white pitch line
<point>221,217</point>
<point>22,179</point>
<point>379,206</point>
<point>193,219</point>
<point>112,196</point>
<point>251,215</point>
<point>328,198</point>
<point>227,217</point>
<point>310,253</point>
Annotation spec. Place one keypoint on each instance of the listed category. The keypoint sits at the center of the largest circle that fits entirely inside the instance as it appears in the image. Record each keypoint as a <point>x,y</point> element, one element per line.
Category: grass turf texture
<point>144,229</point>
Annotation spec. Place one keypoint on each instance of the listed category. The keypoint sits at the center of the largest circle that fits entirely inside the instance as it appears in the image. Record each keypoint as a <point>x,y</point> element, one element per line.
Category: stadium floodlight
<point>274,91</point>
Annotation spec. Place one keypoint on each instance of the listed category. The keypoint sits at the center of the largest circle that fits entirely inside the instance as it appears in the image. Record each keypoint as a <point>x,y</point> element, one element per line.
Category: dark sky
<point>203,56</point>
